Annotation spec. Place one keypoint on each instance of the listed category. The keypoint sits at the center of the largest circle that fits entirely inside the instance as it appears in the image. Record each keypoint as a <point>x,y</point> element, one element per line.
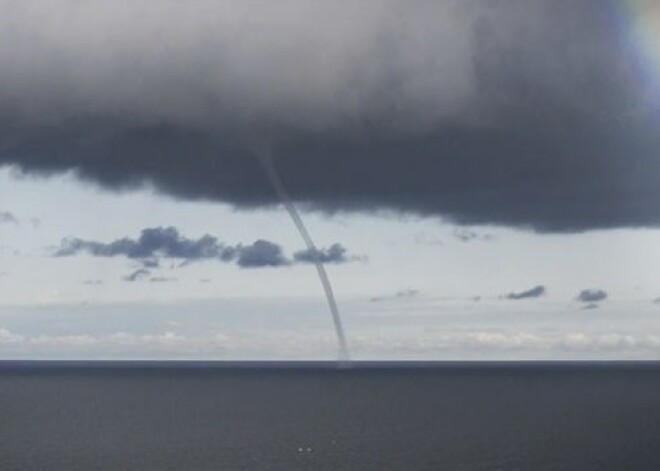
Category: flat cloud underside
<point>471,177</point>
<point>532,115</point>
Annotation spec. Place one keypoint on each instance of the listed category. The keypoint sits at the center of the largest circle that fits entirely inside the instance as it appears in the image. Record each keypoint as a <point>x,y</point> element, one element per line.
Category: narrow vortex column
<point>265,157</point>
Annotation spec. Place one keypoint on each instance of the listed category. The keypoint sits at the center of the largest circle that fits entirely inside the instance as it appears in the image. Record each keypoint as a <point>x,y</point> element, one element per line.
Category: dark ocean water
<point>215,416</point>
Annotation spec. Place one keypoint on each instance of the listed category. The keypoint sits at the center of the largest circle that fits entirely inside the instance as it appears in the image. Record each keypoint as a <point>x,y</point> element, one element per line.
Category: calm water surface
<point>208,416</point>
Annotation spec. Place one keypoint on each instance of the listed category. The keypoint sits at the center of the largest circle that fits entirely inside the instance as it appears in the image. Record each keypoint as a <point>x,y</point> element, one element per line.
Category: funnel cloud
<point>316,256</point>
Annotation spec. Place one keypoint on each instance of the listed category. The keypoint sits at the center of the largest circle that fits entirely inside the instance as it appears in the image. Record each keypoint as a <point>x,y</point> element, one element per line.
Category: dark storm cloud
<point>535,292</point>
<point>7,217</point>
<point>591,295</point>
<point>529,113</point>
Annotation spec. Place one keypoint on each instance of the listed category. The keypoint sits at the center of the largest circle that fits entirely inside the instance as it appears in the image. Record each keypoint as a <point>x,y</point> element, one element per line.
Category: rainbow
<point>641,23</point>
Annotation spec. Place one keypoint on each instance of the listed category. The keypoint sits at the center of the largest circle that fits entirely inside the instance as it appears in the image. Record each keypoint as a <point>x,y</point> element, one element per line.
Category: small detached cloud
<point>336,253</point>
<point>656,301</point>
<point>591,296</point>
<point>92,282</point>
<point>535,292</point>
<point>137,275</point>
<point>155,244</point>
<point>7,218</point>
<point>468,235</point>
<point>407,293</point>
<point>150,263</point>
<point>162,279</point>
<point>423,238</point>
<point>261,254</point>
<point>590,306</point>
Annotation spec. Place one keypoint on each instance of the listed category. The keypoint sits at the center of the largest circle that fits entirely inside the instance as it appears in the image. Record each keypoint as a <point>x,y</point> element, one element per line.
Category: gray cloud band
<point>529,115</point>
<point>157,243</point>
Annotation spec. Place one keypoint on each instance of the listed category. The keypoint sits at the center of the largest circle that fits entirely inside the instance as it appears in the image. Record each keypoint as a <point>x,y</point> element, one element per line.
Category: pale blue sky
<point>412,296</point>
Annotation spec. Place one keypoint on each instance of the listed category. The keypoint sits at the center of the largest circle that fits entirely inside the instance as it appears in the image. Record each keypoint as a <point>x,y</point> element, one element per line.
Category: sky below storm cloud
<point>531,114</point>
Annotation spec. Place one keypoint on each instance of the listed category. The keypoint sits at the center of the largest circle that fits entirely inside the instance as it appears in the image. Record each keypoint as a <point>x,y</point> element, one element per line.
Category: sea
<point>329,416</point>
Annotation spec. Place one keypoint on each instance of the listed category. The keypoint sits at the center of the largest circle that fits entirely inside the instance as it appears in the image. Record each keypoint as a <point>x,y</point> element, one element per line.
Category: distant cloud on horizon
<point>7,218</point>
<point>162,279</point>
<point>535,292</point>
<point>469,235</point>
<point>591,306</point>
<point>591,295</point>
<point>235,345</point>
<point>137,275</point>
<point>407,293</point>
